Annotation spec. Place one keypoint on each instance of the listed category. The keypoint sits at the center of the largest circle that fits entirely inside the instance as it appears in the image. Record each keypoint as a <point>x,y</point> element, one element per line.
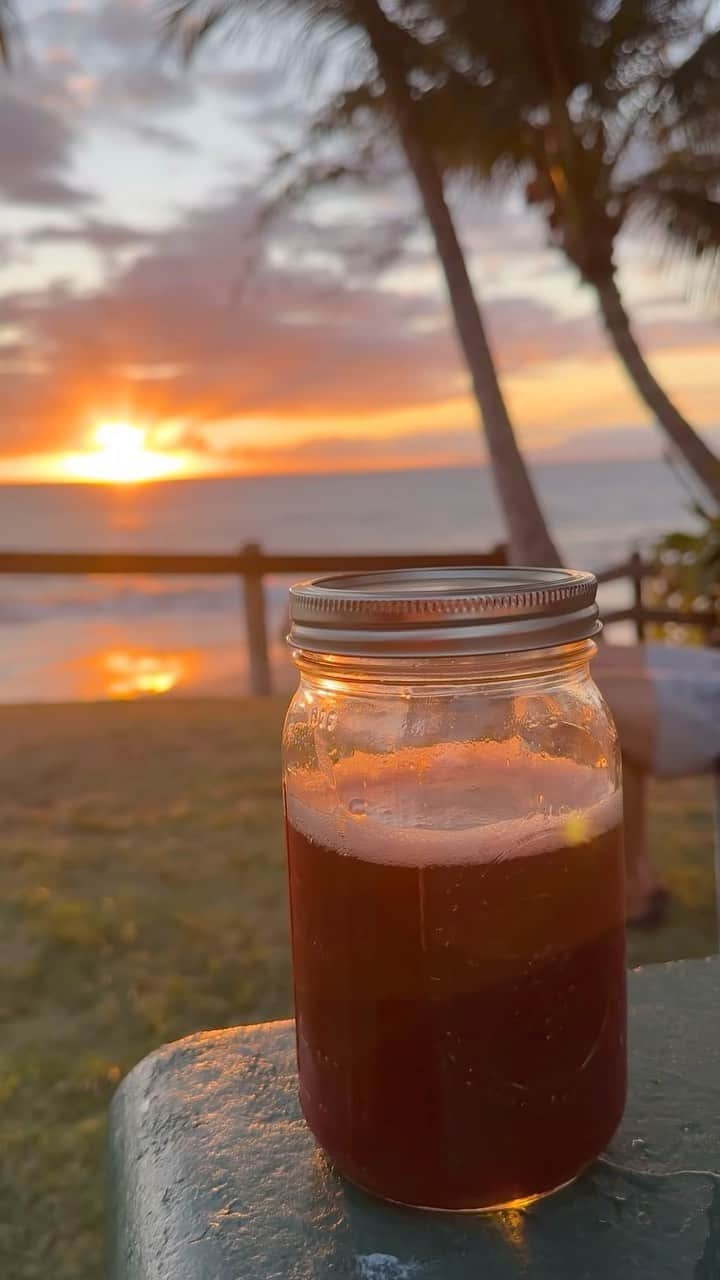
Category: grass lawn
<point>144,898</point>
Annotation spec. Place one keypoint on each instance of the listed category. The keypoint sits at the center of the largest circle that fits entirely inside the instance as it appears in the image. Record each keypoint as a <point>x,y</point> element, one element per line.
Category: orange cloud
<point>306,353</point>
<point>253,357</point>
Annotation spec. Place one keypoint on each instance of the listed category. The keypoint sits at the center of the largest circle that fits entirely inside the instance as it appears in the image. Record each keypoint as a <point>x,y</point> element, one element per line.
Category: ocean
<point>65,638</point>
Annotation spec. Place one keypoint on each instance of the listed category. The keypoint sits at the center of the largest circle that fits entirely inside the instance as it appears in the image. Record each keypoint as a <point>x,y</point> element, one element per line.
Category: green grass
<point>144,898</point>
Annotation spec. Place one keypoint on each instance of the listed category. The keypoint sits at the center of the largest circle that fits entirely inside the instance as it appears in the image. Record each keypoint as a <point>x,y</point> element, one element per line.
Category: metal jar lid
<point>441,612</point>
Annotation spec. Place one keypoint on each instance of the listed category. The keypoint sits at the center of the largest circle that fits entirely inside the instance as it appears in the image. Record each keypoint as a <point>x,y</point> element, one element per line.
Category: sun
<point>120,455</point>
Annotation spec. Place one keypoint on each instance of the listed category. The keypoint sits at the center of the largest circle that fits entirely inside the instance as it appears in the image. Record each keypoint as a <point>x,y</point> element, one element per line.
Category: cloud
<point>194,331</point>
<point>332,452</point>
<point>35,189</point>
<point>122,46</point>
<point>122,26</point>
<point>107,56</point>
<point>289,340</point>
<point>160,136</point>
<point>97,233</point>
<point>36,146</point>
<point>448,446</point>
<point>617,442</point>
<point>126,24</point>
<point>191,325</point>
<point>148,86</point>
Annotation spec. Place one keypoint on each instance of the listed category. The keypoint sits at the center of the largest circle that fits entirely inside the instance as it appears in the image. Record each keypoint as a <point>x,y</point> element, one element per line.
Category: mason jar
<point>452,789</point>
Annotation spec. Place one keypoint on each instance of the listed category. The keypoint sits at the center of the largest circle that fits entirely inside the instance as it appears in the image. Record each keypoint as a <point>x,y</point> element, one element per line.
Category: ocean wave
<point>30,601</point>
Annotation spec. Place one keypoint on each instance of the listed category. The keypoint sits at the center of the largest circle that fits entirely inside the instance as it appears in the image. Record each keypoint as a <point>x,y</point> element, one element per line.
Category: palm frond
<point>362,108</point>
<point>633,41</point>
<point>696,81</point>
<point>472,134</point>
<point>312,28</point>
<point>190,22</point>
<point>685,208</point>
<point>7,24</point>
<point>689,97</point>
<point>337,149</point>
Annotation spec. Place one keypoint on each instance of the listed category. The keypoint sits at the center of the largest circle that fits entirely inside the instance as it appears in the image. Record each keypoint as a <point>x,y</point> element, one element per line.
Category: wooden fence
<point>252,565</point>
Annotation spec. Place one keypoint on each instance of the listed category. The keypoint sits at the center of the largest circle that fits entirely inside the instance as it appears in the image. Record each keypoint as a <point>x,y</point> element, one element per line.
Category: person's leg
<point>645,896</point>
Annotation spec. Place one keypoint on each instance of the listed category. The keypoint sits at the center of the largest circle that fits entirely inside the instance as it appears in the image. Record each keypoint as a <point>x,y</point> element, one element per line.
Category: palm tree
<point>392,51</point>
<point>584,104</point>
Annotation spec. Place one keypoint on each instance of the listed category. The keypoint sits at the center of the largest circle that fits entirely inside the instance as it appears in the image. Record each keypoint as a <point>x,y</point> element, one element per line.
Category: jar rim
<point>443,612</point>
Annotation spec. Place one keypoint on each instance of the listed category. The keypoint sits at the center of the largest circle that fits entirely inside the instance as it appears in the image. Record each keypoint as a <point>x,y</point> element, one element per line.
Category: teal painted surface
<point>215,1177</point>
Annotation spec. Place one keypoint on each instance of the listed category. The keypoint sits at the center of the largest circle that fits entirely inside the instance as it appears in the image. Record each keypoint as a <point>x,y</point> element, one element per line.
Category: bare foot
<point>646,908</point>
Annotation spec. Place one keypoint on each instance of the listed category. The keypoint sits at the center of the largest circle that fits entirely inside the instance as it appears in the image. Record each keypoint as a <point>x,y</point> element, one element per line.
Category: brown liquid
<point>461,1028</point>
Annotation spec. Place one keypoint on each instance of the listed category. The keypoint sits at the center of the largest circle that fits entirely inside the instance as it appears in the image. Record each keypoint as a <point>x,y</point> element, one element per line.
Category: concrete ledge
<point>215,1177</point>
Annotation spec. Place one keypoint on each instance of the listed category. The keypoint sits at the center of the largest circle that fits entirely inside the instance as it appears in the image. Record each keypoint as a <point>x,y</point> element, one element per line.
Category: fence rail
<point>252,565</point>
<point>249,559</point>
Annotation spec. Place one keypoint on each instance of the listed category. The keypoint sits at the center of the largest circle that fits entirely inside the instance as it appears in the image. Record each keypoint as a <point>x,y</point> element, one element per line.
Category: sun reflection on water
<point>129,674</point>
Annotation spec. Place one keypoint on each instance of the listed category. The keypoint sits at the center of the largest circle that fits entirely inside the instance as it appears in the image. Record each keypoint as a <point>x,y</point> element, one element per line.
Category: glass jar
<point>452,793</point>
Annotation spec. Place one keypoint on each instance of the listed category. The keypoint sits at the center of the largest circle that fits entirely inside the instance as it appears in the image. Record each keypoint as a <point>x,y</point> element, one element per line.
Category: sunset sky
<point>135,292</point>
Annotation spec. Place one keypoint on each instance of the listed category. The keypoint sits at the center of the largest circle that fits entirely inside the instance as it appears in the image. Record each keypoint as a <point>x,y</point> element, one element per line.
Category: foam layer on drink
<point>442,806</point>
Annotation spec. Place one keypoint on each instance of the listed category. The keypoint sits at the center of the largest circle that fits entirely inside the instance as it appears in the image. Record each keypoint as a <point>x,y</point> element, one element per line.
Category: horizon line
<point>534,460</point>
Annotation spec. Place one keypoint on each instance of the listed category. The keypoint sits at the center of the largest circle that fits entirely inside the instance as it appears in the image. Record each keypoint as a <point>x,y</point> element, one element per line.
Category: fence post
<point>636,574</point>
<point>254,602</point>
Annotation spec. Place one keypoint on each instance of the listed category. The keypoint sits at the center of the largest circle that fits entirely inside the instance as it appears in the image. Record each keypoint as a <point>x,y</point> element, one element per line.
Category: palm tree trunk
<point>530,540</point>
<point>696,453</point>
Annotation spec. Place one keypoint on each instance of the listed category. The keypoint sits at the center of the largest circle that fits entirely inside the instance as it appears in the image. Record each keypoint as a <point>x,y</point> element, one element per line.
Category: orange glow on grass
<point>120,455</point>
